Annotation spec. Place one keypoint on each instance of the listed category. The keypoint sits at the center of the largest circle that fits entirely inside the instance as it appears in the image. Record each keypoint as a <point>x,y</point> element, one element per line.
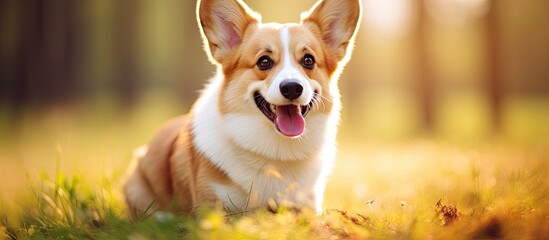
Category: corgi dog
<point>262,134</point>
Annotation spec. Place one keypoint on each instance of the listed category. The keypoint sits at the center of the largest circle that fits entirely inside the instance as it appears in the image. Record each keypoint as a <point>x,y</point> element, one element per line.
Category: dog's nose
<point>290,89</point>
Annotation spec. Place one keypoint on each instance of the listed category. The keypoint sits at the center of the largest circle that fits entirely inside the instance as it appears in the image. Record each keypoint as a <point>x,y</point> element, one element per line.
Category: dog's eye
<point>264,63</point>
<point>308,61</point>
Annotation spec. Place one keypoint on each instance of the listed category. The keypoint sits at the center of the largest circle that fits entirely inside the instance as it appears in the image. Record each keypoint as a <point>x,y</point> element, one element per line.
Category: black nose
<point>291,90</point>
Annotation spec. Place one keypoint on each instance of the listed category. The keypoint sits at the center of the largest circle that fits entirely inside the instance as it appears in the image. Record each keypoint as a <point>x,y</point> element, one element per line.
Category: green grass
<point>61,170</point>
<point>491,199</point>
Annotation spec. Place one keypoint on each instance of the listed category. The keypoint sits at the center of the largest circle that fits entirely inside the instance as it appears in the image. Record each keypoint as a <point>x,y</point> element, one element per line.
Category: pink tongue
<point>289,120</point>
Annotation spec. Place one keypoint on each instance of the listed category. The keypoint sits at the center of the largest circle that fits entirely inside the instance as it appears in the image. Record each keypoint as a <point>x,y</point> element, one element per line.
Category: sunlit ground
<point>393,178</point>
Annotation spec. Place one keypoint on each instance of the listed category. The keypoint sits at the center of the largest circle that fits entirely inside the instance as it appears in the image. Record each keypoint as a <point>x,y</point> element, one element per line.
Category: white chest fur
<point>263,164</point>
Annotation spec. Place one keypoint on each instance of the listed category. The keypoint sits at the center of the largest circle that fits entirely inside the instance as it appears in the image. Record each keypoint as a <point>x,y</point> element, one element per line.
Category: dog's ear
<point>337,22</point>
<point>223,24</point>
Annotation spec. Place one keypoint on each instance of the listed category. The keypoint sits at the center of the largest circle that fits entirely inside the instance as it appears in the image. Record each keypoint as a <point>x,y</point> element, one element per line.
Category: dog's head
<point>278,74</point>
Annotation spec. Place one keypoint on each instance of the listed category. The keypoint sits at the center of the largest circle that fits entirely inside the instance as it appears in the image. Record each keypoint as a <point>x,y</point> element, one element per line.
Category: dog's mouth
<point>288,119</point>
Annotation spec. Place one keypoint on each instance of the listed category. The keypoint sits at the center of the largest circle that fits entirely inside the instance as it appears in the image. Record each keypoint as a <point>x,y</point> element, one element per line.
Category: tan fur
<point>171,174</point>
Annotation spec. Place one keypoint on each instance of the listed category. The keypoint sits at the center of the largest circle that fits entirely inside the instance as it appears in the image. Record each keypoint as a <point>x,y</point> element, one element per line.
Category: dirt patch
<point>447,214</point>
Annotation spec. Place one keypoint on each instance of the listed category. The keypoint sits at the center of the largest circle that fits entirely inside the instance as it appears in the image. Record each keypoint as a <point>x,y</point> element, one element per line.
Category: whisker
<point>320,104</point>
<point>315,102</point>
<point>323,98</point>
<point>327,99</point>
<point>305,134</point>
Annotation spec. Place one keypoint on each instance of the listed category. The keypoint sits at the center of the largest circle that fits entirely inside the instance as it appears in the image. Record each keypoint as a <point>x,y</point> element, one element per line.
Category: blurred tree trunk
<point>39,52</point>
<point>126,34</point>
<point>12,84</point>
<point>62,40</point>
<point>32,81</point>
<point>425,79</point>
<point>194,71</point>
<point>493,77</point>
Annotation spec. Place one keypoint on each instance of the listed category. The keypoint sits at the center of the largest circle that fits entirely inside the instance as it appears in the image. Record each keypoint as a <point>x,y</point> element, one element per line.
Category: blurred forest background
<point>445,66</point>
<point>85,82</point>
